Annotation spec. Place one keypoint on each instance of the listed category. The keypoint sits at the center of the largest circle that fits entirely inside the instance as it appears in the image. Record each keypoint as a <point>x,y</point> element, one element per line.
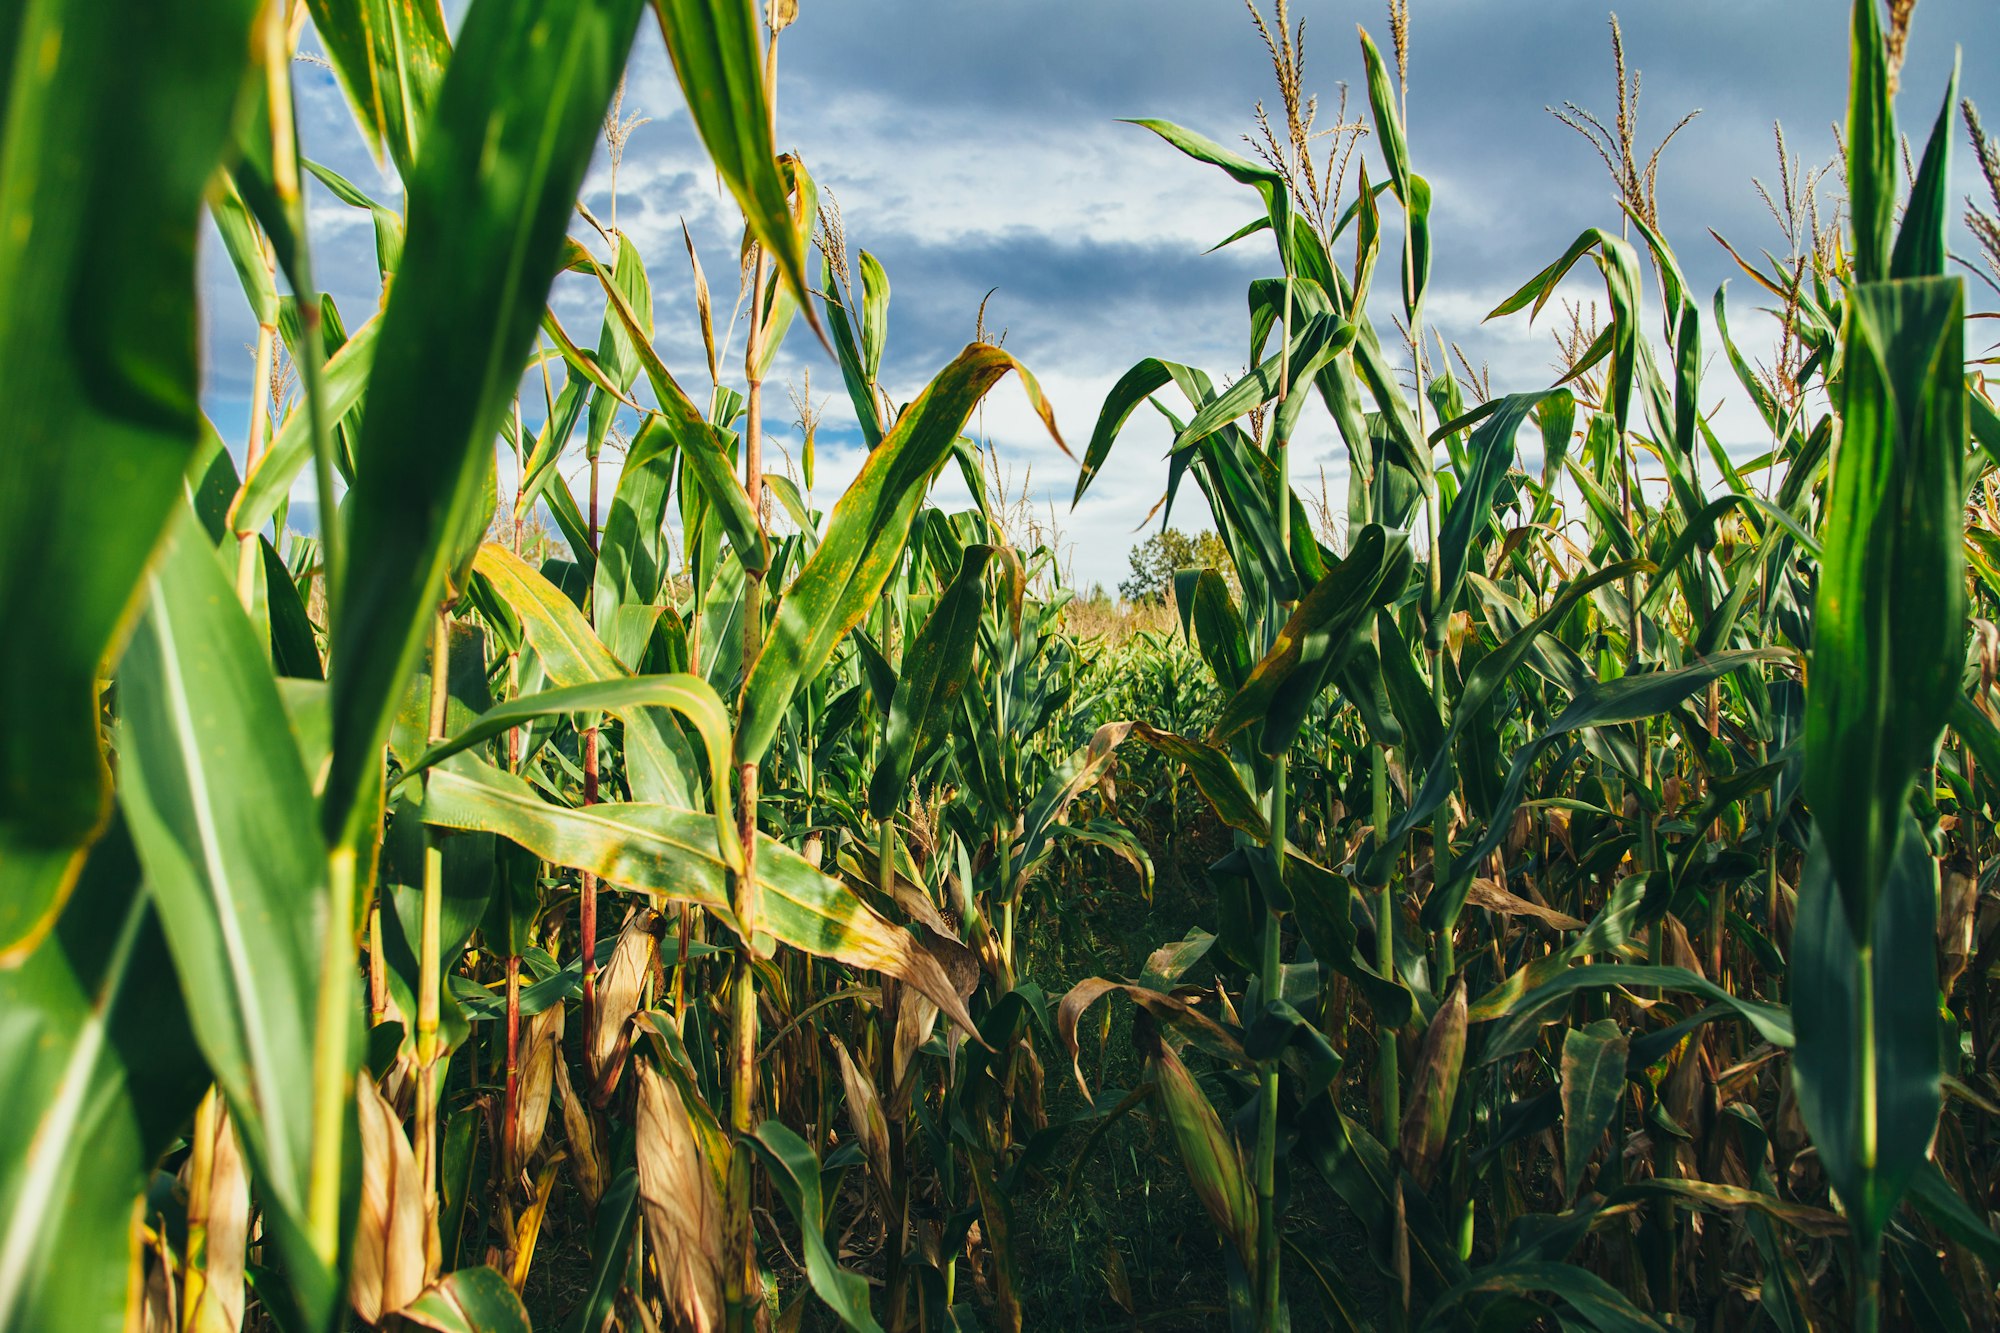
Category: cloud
<point>976,146</point>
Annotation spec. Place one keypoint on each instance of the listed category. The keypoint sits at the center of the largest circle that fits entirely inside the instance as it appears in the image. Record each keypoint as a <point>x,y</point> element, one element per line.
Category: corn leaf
<point>660,769</point>
<point>1593,1077</point>
<point>116,117</point>
<point>504,155</point>
<point>390,57</point>
<point>794,1171</point>
<point>864,539</point>
<point>690,696</point>
<point>935,671</point>
<point>1888,621</point>
<point>101,1074</point>
<point>221,811</point>
<point>1868,1082</point>
<point>671,854</point>
<point>718,56</point>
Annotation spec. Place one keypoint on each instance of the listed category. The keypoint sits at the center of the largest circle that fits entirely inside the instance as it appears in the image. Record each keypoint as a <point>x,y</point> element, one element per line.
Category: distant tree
<point>1156,560</point>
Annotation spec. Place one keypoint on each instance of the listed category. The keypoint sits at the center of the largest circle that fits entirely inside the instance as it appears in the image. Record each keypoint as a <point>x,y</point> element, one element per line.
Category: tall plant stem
<point>1270,970</point>
<point>586,907</point>
<point>742,1275</point>
<point>1270,980</point>
<point>278,43</point>
<point>249,551</point>
<point>896,1279</point>
<point>334,1011</point>
<point>1385,943</point>
<point>430,961</point>
<point>330,1087</point>
<point>1447,949</point>
<point>1003,833</point>
<point>510,1115</point>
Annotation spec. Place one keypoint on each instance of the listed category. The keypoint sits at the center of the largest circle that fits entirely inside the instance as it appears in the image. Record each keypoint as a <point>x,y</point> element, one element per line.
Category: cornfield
<point>1574,880</point>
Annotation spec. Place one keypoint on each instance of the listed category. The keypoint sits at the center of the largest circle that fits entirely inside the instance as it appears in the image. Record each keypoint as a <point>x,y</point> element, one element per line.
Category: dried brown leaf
<point>682,1204</point>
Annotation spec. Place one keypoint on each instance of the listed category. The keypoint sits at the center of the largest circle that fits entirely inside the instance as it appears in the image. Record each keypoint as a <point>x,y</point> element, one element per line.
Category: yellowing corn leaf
<point>1491,895</point>
<point>395,1244</point>
<point>618,989</point>
<point>586,1157</point>
<point>1433,1085</point>
<point>218,1222</point>
<point>1214,1164</point>
<point>864,1113</point>
<point>683,1207</point>
<point>671,854</point>
<point>541,1043</point>
<point>1172,1010</point>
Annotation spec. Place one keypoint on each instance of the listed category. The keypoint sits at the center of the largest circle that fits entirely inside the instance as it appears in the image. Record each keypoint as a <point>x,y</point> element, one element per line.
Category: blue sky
<point>979,146</point>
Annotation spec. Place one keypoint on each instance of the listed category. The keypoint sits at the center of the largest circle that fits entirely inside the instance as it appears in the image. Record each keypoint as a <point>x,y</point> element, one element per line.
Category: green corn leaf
<point>1593,1077</point>
<point>864,539</point>
<point>1596,1303</point>
<point>1388,123</point>
<point>1319,340</point>
<point>1870,142</point>
<point>1920,241</point>
<point>1471,512</point>
<point>504,154</point>
<point>540,466</point>
<point>1620,265</point>
<point>344,381</point>
<point>1322,904</point>
<point>246,247</point>
<point>658,765</point>
<point>1867,1082</point>
<point>617,356</point>
<point>1939,1201</point>
<point>1888,623</point>
<point>936,668</point>
<point>1411,450</point>
<point>1281,687</point>
<point>388,225</point>
<point>610,1244</point>
<point>294,649</point>
<point>1239,481</point>
<point>690,696</point>
<point>1484,681</point>
<point>710,465</point>
<point>789,1163</point>
<point>708,449</point>
<point>471,1300</point>
<point>221,811</point>
<point>390,58</point>
<point>718,55</point>
<point>1210,618</point>
<point>116,117</point>
<point>1527,1011</point>
<point>633,556</point>
<point>101,1074</point>
<point>1215,776</point>
<point>1132,389</point>
<point>1413,190</point>
<point>1266,180</point>
<point>1612,703</point>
